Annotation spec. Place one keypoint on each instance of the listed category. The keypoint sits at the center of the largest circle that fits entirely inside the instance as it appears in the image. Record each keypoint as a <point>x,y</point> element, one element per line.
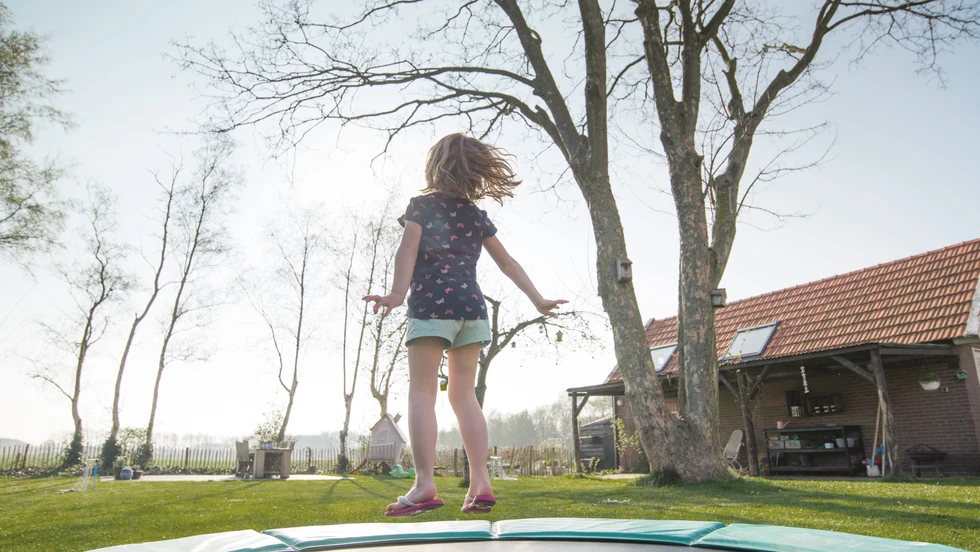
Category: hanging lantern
<point>443,383</point>
<point>513,344</point>
<point>558,337</point>
<point>806,388</point>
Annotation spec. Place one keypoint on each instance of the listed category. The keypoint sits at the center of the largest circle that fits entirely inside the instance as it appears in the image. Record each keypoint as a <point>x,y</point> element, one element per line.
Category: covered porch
<point>863,396</point>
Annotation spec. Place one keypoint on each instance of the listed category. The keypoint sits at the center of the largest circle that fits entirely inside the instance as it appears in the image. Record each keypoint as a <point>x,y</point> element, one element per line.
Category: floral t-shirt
<point>444,281</point>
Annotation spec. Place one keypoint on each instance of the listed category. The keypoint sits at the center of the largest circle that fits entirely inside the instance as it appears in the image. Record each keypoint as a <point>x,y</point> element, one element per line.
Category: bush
<point>144,455</point>
<point>73,453</point>
<point>667,477</point>
<point>343,465</point>
<point>110,451</point>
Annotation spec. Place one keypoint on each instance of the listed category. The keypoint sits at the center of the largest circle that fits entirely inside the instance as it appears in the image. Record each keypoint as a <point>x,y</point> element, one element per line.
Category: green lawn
<point>35,516</point>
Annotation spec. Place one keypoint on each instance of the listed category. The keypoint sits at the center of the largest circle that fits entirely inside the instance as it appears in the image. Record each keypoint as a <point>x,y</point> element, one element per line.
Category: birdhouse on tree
<point>387,441</point>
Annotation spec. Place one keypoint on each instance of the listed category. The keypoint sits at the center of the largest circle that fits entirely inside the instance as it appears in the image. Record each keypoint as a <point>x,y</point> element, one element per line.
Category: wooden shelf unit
<point>793,461</point>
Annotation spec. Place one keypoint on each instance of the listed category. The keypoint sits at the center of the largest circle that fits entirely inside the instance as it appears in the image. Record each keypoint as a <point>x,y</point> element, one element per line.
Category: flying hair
<point>461,166</point>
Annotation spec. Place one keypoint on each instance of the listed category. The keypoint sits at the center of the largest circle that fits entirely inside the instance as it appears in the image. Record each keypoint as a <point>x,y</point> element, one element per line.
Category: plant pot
<point>116,470</point>
<point>930,385</point>
<point>137,474</point>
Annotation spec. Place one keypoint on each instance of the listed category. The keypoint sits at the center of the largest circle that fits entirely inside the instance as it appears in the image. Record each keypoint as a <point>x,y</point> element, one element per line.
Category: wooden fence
<point>170,459</point>
<point>527,461</point>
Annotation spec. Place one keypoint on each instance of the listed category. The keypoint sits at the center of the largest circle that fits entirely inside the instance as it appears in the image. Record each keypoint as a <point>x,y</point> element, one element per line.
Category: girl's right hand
<point>547,306</point>
<point>389,302</point>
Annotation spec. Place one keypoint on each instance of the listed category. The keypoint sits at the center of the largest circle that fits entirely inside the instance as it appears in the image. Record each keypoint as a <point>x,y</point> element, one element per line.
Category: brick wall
<point>944,420</point>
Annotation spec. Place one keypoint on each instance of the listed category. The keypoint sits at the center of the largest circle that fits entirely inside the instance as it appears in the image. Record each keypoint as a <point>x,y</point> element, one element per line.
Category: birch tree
<point>111,446</point>
<point>387,340</point>
<point>301,68</point>
<point>301,247</point>
<point>200,248</point>
<point>368,266</point>
<point>95,281</point>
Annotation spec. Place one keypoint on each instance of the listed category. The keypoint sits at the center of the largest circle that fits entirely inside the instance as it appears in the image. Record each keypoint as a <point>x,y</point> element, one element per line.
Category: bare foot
<point>416,495</point>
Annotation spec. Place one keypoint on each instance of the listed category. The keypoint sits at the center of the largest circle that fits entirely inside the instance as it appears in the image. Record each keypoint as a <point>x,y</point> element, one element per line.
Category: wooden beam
<point>759,380</point>
<point>855,368</point>
<point>891,448</point>
<point>585,399</point>
<point>899,351</point>
<point>575,435</point>
<point>728,384</point>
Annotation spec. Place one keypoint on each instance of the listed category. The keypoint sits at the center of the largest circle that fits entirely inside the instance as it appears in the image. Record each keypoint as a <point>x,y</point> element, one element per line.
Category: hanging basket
<point>930,385</point>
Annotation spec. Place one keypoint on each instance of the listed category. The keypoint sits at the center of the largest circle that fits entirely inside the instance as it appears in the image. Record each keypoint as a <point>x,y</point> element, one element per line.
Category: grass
<point>35,516</point>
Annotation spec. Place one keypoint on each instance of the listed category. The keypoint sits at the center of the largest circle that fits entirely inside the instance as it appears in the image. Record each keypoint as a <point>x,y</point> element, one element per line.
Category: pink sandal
<point>481,504</point>
<point>413,509</point>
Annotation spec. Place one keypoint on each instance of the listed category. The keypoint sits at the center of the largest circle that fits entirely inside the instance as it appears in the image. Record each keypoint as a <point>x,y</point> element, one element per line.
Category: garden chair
<point>732,449</point>
<point>245,458</point>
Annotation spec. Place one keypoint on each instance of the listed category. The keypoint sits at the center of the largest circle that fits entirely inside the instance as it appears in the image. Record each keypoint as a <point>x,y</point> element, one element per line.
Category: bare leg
<point>472,423</point>
<point>424,356</point>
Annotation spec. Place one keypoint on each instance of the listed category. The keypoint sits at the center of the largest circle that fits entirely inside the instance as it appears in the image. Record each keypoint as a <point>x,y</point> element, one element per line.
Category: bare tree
<point>200,247</point>
<point>365,265</point>
<point>300,247</point>
<point>95,283</point>
<point>302,68</point>
<point>111,447</point>
<point>571,322</point>
<point>387,332</point>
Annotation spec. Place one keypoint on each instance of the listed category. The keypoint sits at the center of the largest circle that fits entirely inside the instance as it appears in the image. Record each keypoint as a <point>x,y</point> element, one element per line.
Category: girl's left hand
<point>547,306</point>
<point>389,302</point>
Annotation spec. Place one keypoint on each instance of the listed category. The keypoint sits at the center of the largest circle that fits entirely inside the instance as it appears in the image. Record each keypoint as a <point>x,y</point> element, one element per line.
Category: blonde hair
<point>460,166</point>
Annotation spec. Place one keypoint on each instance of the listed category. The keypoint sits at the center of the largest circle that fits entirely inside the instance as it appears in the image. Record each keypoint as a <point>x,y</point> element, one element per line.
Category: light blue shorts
<point>456,333</point>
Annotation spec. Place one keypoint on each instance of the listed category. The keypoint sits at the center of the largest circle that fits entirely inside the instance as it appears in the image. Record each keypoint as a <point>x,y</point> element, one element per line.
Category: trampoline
<point>535,535</point>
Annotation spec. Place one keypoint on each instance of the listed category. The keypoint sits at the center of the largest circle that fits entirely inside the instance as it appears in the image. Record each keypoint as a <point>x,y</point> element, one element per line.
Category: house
<point>825,355</point>
<point>387,441</point>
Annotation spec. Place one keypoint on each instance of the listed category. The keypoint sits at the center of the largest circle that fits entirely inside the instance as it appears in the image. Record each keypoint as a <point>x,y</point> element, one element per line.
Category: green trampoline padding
<point>352,534</point>
<point>773,538</point>
<point>538,535</point>
<point>232,541</point>
<point>634,530</point>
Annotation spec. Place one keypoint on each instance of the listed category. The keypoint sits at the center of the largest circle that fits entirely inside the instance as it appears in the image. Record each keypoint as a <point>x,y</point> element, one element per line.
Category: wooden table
<point>271,461</point>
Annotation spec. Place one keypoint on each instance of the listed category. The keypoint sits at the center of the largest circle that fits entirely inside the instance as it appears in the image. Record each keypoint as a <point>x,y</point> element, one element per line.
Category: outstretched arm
<point>513,270</point>
<point>405,257</point>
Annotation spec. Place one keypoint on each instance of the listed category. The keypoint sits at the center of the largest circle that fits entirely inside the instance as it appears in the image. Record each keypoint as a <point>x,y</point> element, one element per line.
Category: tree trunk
<point>161,364</point>
<point>697,340</point>
<point>114,431</point>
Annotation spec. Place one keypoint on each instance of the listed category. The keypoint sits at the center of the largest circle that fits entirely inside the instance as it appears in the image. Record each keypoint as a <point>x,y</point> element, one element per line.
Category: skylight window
<point>750,342</point>
<point>661,355</point>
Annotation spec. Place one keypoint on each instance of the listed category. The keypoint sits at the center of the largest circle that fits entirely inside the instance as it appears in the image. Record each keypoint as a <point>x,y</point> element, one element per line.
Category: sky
<point>897,183</point>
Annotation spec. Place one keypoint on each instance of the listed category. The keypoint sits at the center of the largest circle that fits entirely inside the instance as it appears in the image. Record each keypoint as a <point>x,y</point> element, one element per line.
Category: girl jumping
<point>445,232</point>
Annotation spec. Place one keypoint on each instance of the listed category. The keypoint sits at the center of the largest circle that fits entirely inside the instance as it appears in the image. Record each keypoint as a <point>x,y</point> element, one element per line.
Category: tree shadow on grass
<point>856,504</point>
<point>31,486</point>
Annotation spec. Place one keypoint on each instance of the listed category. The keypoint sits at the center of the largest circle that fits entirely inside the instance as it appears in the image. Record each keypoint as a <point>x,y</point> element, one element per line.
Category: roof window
<point>750,342</point>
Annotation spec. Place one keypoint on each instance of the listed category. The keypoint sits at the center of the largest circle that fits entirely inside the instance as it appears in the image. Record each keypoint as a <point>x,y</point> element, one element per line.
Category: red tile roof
<point>920,299</point>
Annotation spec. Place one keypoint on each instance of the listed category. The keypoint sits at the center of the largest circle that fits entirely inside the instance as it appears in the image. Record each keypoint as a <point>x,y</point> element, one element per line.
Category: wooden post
<point>891,449</point>
<point>576,410</point>
<point>187,456</point>
<point>750,445</point>
<point>577,447</point>
<point>24,465</point>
